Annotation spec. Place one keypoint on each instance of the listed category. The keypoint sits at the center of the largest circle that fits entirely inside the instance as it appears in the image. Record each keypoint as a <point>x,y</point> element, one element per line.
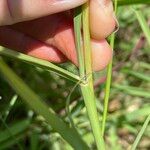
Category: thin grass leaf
<point>14,129</point>
<point>87,40</point>
<point>40,63</point>
<point>34,141</point>
<point>77,29</point>
<point>144,25</point>
<point>144,65</point>
<point>131,116</point>
<point>140,134</point>
<point>35,102</point>
<point>139,113</point>
<point>108,81</point>
<point>133,90</point>
<point>132,2</point>
<point>10,106</point>
<point>77,109</point>
<point>67,105</point>
<point>113,139</point>
<point>136,74</point>
<point>12,136</point>
<point>7,144</point>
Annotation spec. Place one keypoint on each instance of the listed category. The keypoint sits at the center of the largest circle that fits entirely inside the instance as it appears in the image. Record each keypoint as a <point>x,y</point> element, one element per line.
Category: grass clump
<point>128,100</point>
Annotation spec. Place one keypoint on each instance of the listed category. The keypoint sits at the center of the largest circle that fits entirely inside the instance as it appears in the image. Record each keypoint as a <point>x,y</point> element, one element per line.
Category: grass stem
<point>108,81</point>
<point>87,88</point>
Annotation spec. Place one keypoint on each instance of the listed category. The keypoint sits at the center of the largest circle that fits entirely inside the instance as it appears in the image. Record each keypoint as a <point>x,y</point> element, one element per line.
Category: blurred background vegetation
<point>21,128</point>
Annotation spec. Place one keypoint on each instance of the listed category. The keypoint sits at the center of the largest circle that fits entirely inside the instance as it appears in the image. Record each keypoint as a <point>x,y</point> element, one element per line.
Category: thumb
<point>13,11</point>
<point>102,19</point>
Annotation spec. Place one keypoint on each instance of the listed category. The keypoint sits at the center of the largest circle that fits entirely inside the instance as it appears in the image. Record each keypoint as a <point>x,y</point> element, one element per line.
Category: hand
<point>37,28</point>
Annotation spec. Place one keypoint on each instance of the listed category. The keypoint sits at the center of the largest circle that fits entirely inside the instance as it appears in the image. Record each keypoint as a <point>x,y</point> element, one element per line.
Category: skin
<point>44,29</point>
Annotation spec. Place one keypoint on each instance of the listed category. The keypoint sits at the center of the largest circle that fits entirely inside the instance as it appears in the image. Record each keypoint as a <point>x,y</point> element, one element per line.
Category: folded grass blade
<point>40,63</point>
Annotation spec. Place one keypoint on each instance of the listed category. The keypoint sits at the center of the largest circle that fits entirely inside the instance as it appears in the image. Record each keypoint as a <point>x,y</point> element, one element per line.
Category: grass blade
<point>77,29</point>
<point>7,144</point>
<point>132,2</point>
<point>15,129</point>
<point>144,65</point>
<point>143,24</point>
<point>131,116</point>
<point>85,69</point>
<point>35,102</point>
<point>136,74</point>
<point>34,141</point>
<point>11,104</point>
<point>40,63</point>
<point>139,136</point>
<point>132,90</point>
<point>87,90</point>
<point>108,81</point>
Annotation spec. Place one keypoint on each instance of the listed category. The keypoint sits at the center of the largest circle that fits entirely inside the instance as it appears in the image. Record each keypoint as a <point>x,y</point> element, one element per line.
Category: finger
<point>13,11</point>
<point>102,18</point>
<point>101,54</point>
<point>53,30</point>
<point>20,42</point>
<point>101,51</point>
<point>57,30</point>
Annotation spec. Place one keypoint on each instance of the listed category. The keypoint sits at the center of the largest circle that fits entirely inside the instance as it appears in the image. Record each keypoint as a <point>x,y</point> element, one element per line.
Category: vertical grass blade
<point>89,99</point>
<point>108,81</point>
<point>77,29</point>
<point>139,136</point>
<point>143,24</point>
<point>86,39</point>
<point>35,102</point>
<point>87,89</point>
<point>10,106</point>
<point>85,62</point>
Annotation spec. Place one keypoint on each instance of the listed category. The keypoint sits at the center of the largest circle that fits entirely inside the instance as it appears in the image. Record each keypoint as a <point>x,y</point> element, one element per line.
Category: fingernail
<point>106,6</point>
<point>117,23</point>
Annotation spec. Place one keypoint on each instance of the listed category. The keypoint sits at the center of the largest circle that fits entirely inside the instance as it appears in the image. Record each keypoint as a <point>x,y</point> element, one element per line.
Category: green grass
<point>40,63</point>
<point>38,105</point>
<point>85,65</point>
<point>132,2</point>
<point>43,123</point>
<point>140,134</point>
<point>108,80</point>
